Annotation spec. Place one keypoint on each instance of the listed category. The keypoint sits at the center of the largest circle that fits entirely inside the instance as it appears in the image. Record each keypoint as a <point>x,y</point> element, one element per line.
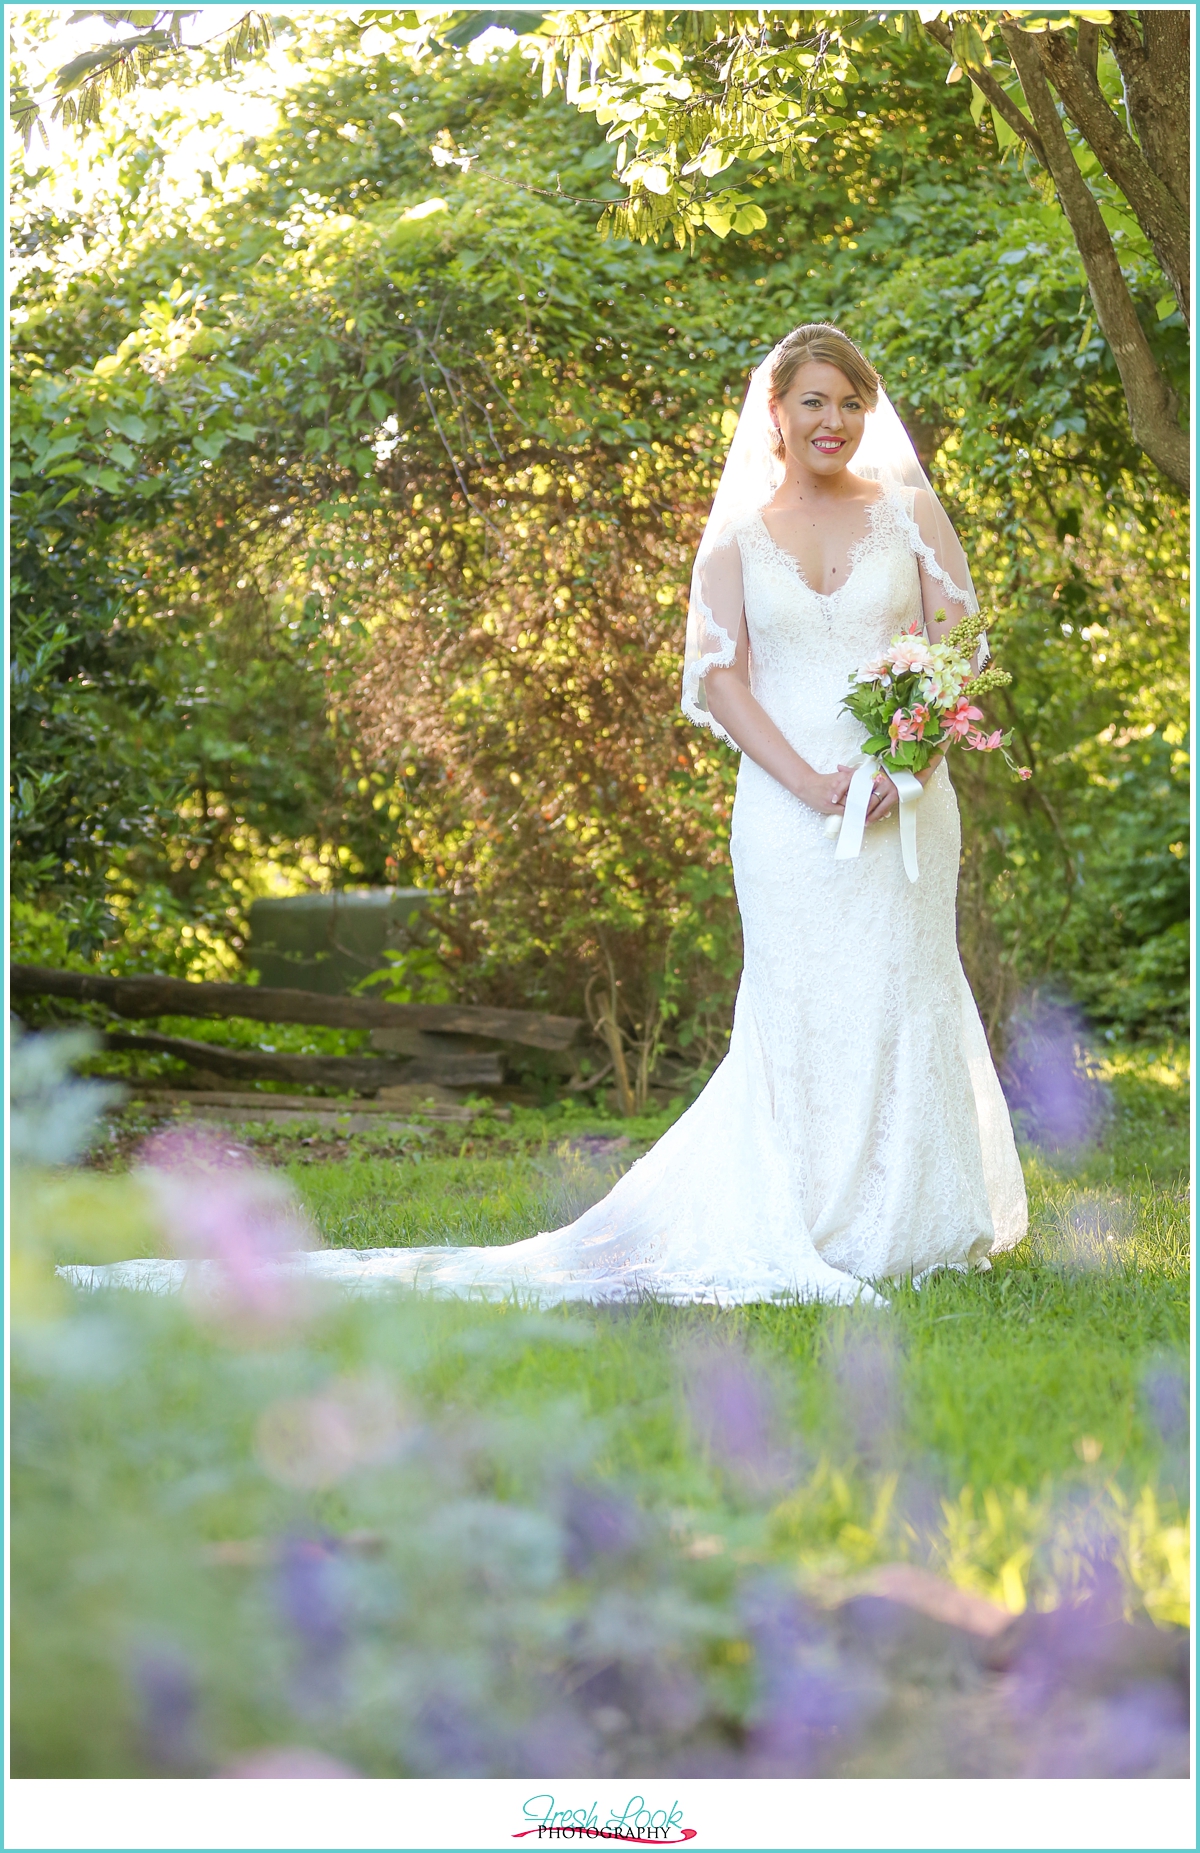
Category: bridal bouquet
<point>916,701</point>
<point>919,699</point>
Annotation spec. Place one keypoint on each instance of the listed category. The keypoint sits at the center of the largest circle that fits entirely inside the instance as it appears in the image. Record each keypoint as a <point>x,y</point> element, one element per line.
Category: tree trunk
<point>1155,66</point>
<point>1153,405</point>
<point>1161,216</point>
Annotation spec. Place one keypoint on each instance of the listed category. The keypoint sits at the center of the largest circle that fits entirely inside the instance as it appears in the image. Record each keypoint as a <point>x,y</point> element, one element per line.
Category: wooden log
<point>178,997</point>
<point>351,1073</point>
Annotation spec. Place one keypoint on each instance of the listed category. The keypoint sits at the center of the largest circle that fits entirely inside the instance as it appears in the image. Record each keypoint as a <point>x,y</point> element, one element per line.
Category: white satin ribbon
<point>908,788</point>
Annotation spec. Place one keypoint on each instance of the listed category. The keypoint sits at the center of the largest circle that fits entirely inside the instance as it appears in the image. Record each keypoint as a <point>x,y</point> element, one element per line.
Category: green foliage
<point>416,614</point>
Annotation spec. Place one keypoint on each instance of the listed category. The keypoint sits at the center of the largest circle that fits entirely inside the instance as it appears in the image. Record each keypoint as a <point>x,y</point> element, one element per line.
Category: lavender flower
<point>598,1525</point>
<point>168,1706</point>
<point>732,1408</point>
<point>814,1703</point>
<point>866,1392</point>
<point>1139,1732</point>
<point>310,1597</point>
<point>1166,1390</point>
<point>1058,1103</point>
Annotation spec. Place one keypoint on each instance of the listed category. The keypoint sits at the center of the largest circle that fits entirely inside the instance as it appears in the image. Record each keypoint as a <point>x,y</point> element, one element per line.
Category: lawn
<point>1017,1390</point>
<point>400,1530</point>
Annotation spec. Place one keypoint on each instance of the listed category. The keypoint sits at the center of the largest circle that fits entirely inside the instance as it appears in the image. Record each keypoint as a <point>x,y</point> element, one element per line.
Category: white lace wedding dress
<point>856,1130</point>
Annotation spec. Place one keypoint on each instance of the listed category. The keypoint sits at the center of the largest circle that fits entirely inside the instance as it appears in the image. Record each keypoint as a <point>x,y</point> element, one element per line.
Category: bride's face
<point>821,418</point>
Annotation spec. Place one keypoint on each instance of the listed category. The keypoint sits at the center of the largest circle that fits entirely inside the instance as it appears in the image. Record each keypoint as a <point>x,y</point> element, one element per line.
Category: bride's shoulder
<point>740,530</point>
<point>903,496</point>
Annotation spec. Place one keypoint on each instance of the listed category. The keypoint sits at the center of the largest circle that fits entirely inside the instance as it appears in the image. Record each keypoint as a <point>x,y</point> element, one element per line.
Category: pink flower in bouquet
<point>983,742</point>
<point>1024,772</point>
<point>957,720</point>
<point>910,655</point>
<point>909,726</point>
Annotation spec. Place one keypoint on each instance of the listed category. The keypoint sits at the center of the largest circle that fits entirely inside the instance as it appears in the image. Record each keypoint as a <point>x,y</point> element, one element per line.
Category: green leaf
<point>128,424</point>
<point>749,219</point>
<point>103,479</point>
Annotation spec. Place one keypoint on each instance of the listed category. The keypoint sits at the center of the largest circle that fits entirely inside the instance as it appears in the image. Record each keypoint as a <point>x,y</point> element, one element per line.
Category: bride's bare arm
<point>750,727</point>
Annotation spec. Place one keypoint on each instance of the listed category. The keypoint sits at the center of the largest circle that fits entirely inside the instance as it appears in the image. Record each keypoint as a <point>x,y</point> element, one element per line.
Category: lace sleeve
<point>937,547</point>
<point>716,622</point>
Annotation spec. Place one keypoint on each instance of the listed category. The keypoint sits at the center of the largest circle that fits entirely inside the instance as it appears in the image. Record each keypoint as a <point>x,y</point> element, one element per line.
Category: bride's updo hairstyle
<point>821,341</point>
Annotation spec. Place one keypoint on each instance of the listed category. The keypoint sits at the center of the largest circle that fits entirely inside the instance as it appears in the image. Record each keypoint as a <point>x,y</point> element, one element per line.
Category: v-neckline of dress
<point>854,558</point>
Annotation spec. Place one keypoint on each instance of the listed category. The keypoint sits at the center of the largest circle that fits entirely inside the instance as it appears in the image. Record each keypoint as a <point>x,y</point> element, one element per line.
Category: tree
<point>689,94</point>
<point>449,565</point>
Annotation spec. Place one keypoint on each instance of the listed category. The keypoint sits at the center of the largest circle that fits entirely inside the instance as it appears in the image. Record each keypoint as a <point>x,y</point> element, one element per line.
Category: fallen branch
<point>176,997</point>
<point>362,1074</point>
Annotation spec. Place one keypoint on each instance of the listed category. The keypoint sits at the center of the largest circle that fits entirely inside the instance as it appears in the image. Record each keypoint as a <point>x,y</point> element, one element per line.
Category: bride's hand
<point>825,792</point>
<point>885,797</point>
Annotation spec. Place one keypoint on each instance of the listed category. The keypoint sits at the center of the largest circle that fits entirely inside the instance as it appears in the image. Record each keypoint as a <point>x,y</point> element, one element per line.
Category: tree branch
<point>999,98</point>
<point>1087,40</point>
<point>1161,217</point>
<point>1153,406</point>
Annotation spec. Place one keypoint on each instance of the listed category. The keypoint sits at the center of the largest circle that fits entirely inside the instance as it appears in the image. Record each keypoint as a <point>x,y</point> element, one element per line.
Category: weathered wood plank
<point>153,996</point>
<point>352,1073</point>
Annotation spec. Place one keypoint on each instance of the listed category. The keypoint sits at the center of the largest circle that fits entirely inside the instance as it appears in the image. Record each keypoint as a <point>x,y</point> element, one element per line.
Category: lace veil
<point>750,478</point>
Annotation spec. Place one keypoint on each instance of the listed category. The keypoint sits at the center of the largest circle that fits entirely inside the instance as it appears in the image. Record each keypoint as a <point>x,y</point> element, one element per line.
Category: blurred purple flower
<point>778,1620</point>
<point>289,1763</point>
<point>218,1208</point>
<point>732,1408</point>
<point>1075,1673</point>
<point>918,1506</point>
<point>451,1739</point>
<point>310,1596</point>
<point>1141,1731</point>
<point>1058,1103</point>
<point>1166,1388</point>
<point>867,1392</point>
<point>168,1707</point>
<point>1092,1230</point>
<point>810,1715</point>
<point>813,1703</point>
<point>558,1740</point>
<point>596,1525</point>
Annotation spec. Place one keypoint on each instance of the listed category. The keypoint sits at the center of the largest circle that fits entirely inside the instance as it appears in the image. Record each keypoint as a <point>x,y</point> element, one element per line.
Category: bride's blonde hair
<point>821,341</point>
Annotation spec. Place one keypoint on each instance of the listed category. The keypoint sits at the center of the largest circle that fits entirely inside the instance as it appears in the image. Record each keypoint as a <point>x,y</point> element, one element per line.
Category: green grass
<point>992,1427</point>
<point>1027,1381</point>
<point>1013,1395</point>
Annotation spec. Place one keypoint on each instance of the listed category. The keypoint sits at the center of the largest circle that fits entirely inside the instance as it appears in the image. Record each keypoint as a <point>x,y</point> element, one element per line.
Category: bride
<point>856,1131</point>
